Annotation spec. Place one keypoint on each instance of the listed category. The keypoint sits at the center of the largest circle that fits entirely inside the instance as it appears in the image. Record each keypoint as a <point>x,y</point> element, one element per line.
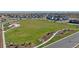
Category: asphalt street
<point>1,41</point>
<point>68,42</point>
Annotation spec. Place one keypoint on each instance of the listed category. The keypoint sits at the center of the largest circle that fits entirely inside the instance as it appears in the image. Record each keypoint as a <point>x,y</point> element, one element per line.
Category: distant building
<point>2,18</point>
<point>57,17</point>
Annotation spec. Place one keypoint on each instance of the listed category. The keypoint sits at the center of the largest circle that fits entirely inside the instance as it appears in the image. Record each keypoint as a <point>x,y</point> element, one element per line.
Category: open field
<point>32,30</point>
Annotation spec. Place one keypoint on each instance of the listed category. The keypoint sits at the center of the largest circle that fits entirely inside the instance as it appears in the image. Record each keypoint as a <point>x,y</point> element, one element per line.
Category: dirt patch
<point>24,45</point>
<point>46,36</point>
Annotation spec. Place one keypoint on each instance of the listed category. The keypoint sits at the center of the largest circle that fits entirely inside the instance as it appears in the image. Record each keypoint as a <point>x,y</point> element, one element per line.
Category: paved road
<point>1,41</point>
<point>69,42</point>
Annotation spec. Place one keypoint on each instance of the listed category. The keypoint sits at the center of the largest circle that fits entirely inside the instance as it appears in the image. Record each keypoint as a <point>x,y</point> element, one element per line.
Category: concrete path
<point>3,35</point>
<point>68,42</point>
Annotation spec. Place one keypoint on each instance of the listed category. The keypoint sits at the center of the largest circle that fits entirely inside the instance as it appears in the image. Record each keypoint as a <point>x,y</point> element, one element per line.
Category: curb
<point>76,45</point>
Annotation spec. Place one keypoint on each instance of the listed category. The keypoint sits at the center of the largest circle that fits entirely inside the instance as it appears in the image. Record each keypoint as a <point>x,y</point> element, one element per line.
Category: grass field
<point>32,30</point>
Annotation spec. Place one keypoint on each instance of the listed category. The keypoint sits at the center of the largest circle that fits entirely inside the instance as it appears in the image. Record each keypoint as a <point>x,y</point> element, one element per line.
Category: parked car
<point>74,21</point>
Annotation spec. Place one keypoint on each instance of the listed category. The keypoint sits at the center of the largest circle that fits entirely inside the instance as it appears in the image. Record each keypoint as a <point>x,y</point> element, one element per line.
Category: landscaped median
<point>59,35</point>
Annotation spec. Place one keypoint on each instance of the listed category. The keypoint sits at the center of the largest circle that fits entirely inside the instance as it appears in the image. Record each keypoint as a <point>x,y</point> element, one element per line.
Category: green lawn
<point>33,30</point>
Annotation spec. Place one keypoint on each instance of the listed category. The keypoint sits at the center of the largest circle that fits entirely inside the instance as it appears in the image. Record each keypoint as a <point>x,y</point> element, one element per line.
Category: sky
<point>39,5</point>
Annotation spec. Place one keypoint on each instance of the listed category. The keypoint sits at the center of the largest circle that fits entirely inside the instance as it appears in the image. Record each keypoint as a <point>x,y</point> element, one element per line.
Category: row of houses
<point>57,17</point>
<point>51,15</point>
<point>25,15</point>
